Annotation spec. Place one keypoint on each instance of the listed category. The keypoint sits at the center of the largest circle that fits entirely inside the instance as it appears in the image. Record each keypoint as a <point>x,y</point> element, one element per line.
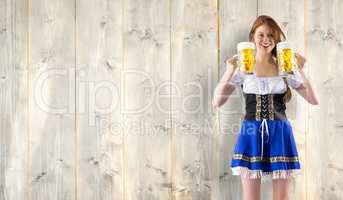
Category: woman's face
<point>263,39</point>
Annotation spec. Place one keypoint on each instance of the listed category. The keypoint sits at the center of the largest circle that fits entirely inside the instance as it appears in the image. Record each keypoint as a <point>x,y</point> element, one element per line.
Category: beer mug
<point>286,58</point>
<point>246,57</point>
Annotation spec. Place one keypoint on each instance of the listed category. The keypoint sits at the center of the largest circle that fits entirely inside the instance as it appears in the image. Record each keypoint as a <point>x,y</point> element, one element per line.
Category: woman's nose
<point>265,39</point>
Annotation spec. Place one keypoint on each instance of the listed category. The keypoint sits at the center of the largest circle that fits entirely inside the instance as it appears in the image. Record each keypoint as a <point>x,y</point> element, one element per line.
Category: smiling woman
<point>265,147</point>
<point>266,33</point>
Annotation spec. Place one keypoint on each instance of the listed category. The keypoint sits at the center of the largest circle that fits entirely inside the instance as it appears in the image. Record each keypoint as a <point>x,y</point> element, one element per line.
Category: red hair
<point>278,35</point>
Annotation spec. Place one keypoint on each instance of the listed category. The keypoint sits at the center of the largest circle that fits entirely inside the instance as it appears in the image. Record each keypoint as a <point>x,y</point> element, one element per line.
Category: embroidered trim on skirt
<point>280,156</point>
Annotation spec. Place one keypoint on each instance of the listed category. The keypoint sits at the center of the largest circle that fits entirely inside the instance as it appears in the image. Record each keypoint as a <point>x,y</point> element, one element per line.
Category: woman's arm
<point>305,89</point>
<point>224,89</point>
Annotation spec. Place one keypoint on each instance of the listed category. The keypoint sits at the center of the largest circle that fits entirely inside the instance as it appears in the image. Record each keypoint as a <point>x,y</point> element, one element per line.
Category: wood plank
<point>324,36</point>
<point>99,68</point>
<point>52,98</point>
<point>146,105</point>
<point>289,15</point>
<point>194,71</point>
<point>13,99</point>
<point>236,18</point>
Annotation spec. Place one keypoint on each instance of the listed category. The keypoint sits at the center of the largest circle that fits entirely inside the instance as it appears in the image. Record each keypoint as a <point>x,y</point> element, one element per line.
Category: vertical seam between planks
<point>76,155</point>
<point>218,39</point>
<point>216,116</point>
<point>170,104</point>
<point>307,107</point>
<point>122,80</point>
<point>28,81</point>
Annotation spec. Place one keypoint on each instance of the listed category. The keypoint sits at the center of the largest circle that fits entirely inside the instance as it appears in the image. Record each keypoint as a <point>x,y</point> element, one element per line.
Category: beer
<point>246,58</point>
<point>286,59</point>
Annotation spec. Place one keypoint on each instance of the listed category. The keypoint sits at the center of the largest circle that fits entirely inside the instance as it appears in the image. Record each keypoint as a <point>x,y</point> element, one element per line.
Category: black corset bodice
<point>268,106</point>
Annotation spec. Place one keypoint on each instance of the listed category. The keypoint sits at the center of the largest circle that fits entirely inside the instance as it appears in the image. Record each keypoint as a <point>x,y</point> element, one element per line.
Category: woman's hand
<point>232,62</point>
<point>305,89</point>
<point>224,90</point>
<point>300,61</point>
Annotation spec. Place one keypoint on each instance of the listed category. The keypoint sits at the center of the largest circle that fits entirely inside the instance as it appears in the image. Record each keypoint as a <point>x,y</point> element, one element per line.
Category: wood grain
<point>146,106</point>
<point>111,99</point>
<point>98,76</point>
<point>194,71</point>
<point>324,51</point>
<point>13,100</point>
<point>52,97</point>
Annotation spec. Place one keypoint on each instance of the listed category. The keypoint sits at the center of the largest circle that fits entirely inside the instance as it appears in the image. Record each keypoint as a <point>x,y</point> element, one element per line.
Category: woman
<point>265,147</point>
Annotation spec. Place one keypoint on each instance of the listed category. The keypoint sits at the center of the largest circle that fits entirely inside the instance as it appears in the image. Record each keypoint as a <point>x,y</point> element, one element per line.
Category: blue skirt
<point>265,149</point>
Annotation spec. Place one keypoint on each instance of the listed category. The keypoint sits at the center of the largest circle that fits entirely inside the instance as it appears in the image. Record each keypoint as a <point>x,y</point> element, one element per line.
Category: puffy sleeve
<point>237,78</point>
<point>295,80</point>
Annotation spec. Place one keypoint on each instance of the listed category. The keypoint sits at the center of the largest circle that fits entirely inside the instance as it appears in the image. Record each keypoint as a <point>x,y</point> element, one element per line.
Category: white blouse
<point>253,84</point>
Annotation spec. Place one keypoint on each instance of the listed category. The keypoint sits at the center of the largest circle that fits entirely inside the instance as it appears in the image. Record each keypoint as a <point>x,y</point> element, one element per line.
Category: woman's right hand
<point>232,62</point>
<point>223,90</point>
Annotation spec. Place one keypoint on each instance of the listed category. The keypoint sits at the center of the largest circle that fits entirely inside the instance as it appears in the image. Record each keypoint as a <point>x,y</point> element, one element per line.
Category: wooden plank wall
<point>290,16</point>
<point>147,135</point>
<point>111,99</point>
<point>98,57</point>
<point>193,65</point>
<point>323,46</point>
<point>52,100</point>
<point>235,21</point>
<point>14,100</point>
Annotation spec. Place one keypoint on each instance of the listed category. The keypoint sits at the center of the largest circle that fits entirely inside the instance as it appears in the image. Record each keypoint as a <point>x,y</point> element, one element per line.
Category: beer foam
<point>283,45</point>
<point>245,45</point>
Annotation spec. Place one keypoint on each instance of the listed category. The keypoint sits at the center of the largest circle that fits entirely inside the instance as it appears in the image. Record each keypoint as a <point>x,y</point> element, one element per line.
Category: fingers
<point>299,56</point>
<point>300,60</point>
<point>232,61</point>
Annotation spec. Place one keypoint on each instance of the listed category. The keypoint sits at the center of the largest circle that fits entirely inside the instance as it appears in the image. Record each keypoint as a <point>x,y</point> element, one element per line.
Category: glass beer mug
<point>246,57</point>
<point>286,58</point>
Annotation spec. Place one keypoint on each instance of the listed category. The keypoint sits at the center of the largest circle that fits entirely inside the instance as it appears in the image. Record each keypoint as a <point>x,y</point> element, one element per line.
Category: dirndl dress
<point>265,146</point>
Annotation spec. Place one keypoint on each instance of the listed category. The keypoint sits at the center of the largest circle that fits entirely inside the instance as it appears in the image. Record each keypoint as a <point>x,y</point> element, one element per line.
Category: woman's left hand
<point>300,60</point>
